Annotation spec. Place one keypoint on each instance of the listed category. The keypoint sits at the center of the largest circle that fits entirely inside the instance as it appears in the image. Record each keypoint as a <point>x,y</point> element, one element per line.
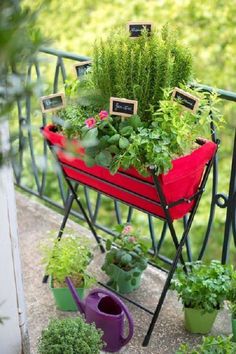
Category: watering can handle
<point>124,308</point>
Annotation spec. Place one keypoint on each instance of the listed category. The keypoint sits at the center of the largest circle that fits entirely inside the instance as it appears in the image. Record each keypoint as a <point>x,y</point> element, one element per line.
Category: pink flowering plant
<point>127,252</point>
<point>105,138</point>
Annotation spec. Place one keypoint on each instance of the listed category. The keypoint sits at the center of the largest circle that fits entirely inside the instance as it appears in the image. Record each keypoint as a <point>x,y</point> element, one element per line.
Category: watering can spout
<point>78,301</point>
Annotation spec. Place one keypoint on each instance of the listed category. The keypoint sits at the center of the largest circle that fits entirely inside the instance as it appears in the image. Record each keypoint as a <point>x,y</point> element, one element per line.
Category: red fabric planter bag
<point>182,181</point>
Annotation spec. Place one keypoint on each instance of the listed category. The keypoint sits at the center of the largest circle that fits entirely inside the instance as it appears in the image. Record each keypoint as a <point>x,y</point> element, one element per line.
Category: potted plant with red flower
<point>126,260</point>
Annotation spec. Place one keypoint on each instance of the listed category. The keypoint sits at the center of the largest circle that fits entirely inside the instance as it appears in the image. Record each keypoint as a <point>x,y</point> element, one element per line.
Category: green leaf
<point>90,138</point>
<point>104,158</point>
<point>135,121</point>
<point>126,131</point>
<point>114,139</point>
<point>126,259</point>
<point>123,143</point>
<point>108,244</point>
<point>90,161</point>
<point>113,149</point>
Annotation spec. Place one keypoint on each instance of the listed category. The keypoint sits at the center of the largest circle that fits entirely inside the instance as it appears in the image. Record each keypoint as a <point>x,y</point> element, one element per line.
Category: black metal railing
<point>36,175</point>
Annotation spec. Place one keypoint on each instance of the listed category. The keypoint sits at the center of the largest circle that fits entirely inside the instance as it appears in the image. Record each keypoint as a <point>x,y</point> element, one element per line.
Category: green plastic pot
<point>234,328</point>
<point>120,280</point>
<point>63,298</point>
<point>198,322</point>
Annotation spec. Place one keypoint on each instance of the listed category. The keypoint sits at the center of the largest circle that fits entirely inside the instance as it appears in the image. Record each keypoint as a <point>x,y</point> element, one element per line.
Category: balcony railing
<point>35,169</point>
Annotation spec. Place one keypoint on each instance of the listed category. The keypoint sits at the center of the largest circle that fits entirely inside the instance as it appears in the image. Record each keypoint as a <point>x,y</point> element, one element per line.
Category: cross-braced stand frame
<point>73,196</point>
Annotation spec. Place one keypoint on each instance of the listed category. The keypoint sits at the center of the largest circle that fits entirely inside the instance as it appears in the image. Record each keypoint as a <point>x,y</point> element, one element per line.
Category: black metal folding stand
<point>73,196</point>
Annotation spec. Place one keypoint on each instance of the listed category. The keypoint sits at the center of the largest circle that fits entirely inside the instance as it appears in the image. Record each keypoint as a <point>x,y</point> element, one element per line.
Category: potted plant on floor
<point>202,291</point>
<point>68,257</point>
<point>70,335</point>
<point>125,262</point>
<point>210,345</point>
<point>231,297</point>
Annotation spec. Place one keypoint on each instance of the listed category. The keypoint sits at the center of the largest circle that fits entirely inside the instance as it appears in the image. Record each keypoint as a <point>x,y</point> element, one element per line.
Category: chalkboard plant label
<point>82,67</point>
<point>135,28</point>
<point>123,107</point>
<point>52,102</point>
<point>188,101</point>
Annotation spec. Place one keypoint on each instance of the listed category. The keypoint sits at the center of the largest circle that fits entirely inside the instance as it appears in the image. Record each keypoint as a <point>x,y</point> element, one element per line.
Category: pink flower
<point>90,122</point>
<point>103,115</point>
<point>127,229</point>
<point>132,239</point>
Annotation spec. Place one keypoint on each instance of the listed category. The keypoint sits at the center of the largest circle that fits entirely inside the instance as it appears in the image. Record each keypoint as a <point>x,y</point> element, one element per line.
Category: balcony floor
<point>34,222</point>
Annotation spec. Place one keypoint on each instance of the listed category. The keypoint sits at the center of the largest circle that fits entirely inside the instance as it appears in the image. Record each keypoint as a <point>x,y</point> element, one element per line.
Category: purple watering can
<point>108,312</point>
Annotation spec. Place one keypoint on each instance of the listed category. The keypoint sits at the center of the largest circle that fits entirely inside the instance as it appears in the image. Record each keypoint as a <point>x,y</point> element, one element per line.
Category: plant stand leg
<point>68,207</point>
<point>179,249</point>
<point>164,291</point>
<point>85,214</point>
<point>168,218</point>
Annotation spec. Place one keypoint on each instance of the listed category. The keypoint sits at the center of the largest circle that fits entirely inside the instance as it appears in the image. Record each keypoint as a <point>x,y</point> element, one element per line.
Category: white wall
<point>13,333</point>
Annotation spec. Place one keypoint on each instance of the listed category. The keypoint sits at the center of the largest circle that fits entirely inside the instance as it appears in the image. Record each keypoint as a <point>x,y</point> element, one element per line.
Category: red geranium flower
<point>90,122</point>
<point>103,115</point>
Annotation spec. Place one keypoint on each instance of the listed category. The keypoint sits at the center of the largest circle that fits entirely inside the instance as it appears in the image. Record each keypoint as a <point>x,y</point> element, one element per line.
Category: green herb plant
<point>70,335</point>
<point>68,257</point>
<point>129,253</point>
<point>210,345</point>
<point>112,142</point>
<point>171,134</point>
<point>205,286</point>
<point>140,69</point>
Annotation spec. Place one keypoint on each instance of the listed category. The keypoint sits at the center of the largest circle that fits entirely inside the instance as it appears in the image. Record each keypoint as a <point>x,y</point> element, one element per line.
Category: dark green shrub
<point>70,336</point>
<point>140,69</point>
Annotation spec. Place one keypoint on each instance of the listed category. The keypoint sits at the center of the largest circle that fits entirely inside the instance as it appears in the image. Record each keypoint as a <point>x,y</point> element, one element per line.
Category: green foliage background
<point>207,27</point>
<point>209,30</point>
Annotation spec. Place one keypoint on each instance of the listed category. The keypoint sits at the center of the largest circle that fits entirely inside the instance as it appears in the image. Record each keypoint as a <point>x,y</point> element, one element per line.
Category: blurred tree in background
<point>20,40</point>
<point>207,27</point>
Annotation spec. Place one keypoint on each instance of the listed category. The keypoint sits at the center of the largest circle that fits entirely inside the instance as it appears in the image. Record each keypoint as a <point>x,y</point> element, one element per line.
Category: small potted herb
<point>231,297</point>
<point>202,291</point>
<point>210,345</point>
<point>125,263</point>
<point>68,257</point>
<point>70,335</point>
